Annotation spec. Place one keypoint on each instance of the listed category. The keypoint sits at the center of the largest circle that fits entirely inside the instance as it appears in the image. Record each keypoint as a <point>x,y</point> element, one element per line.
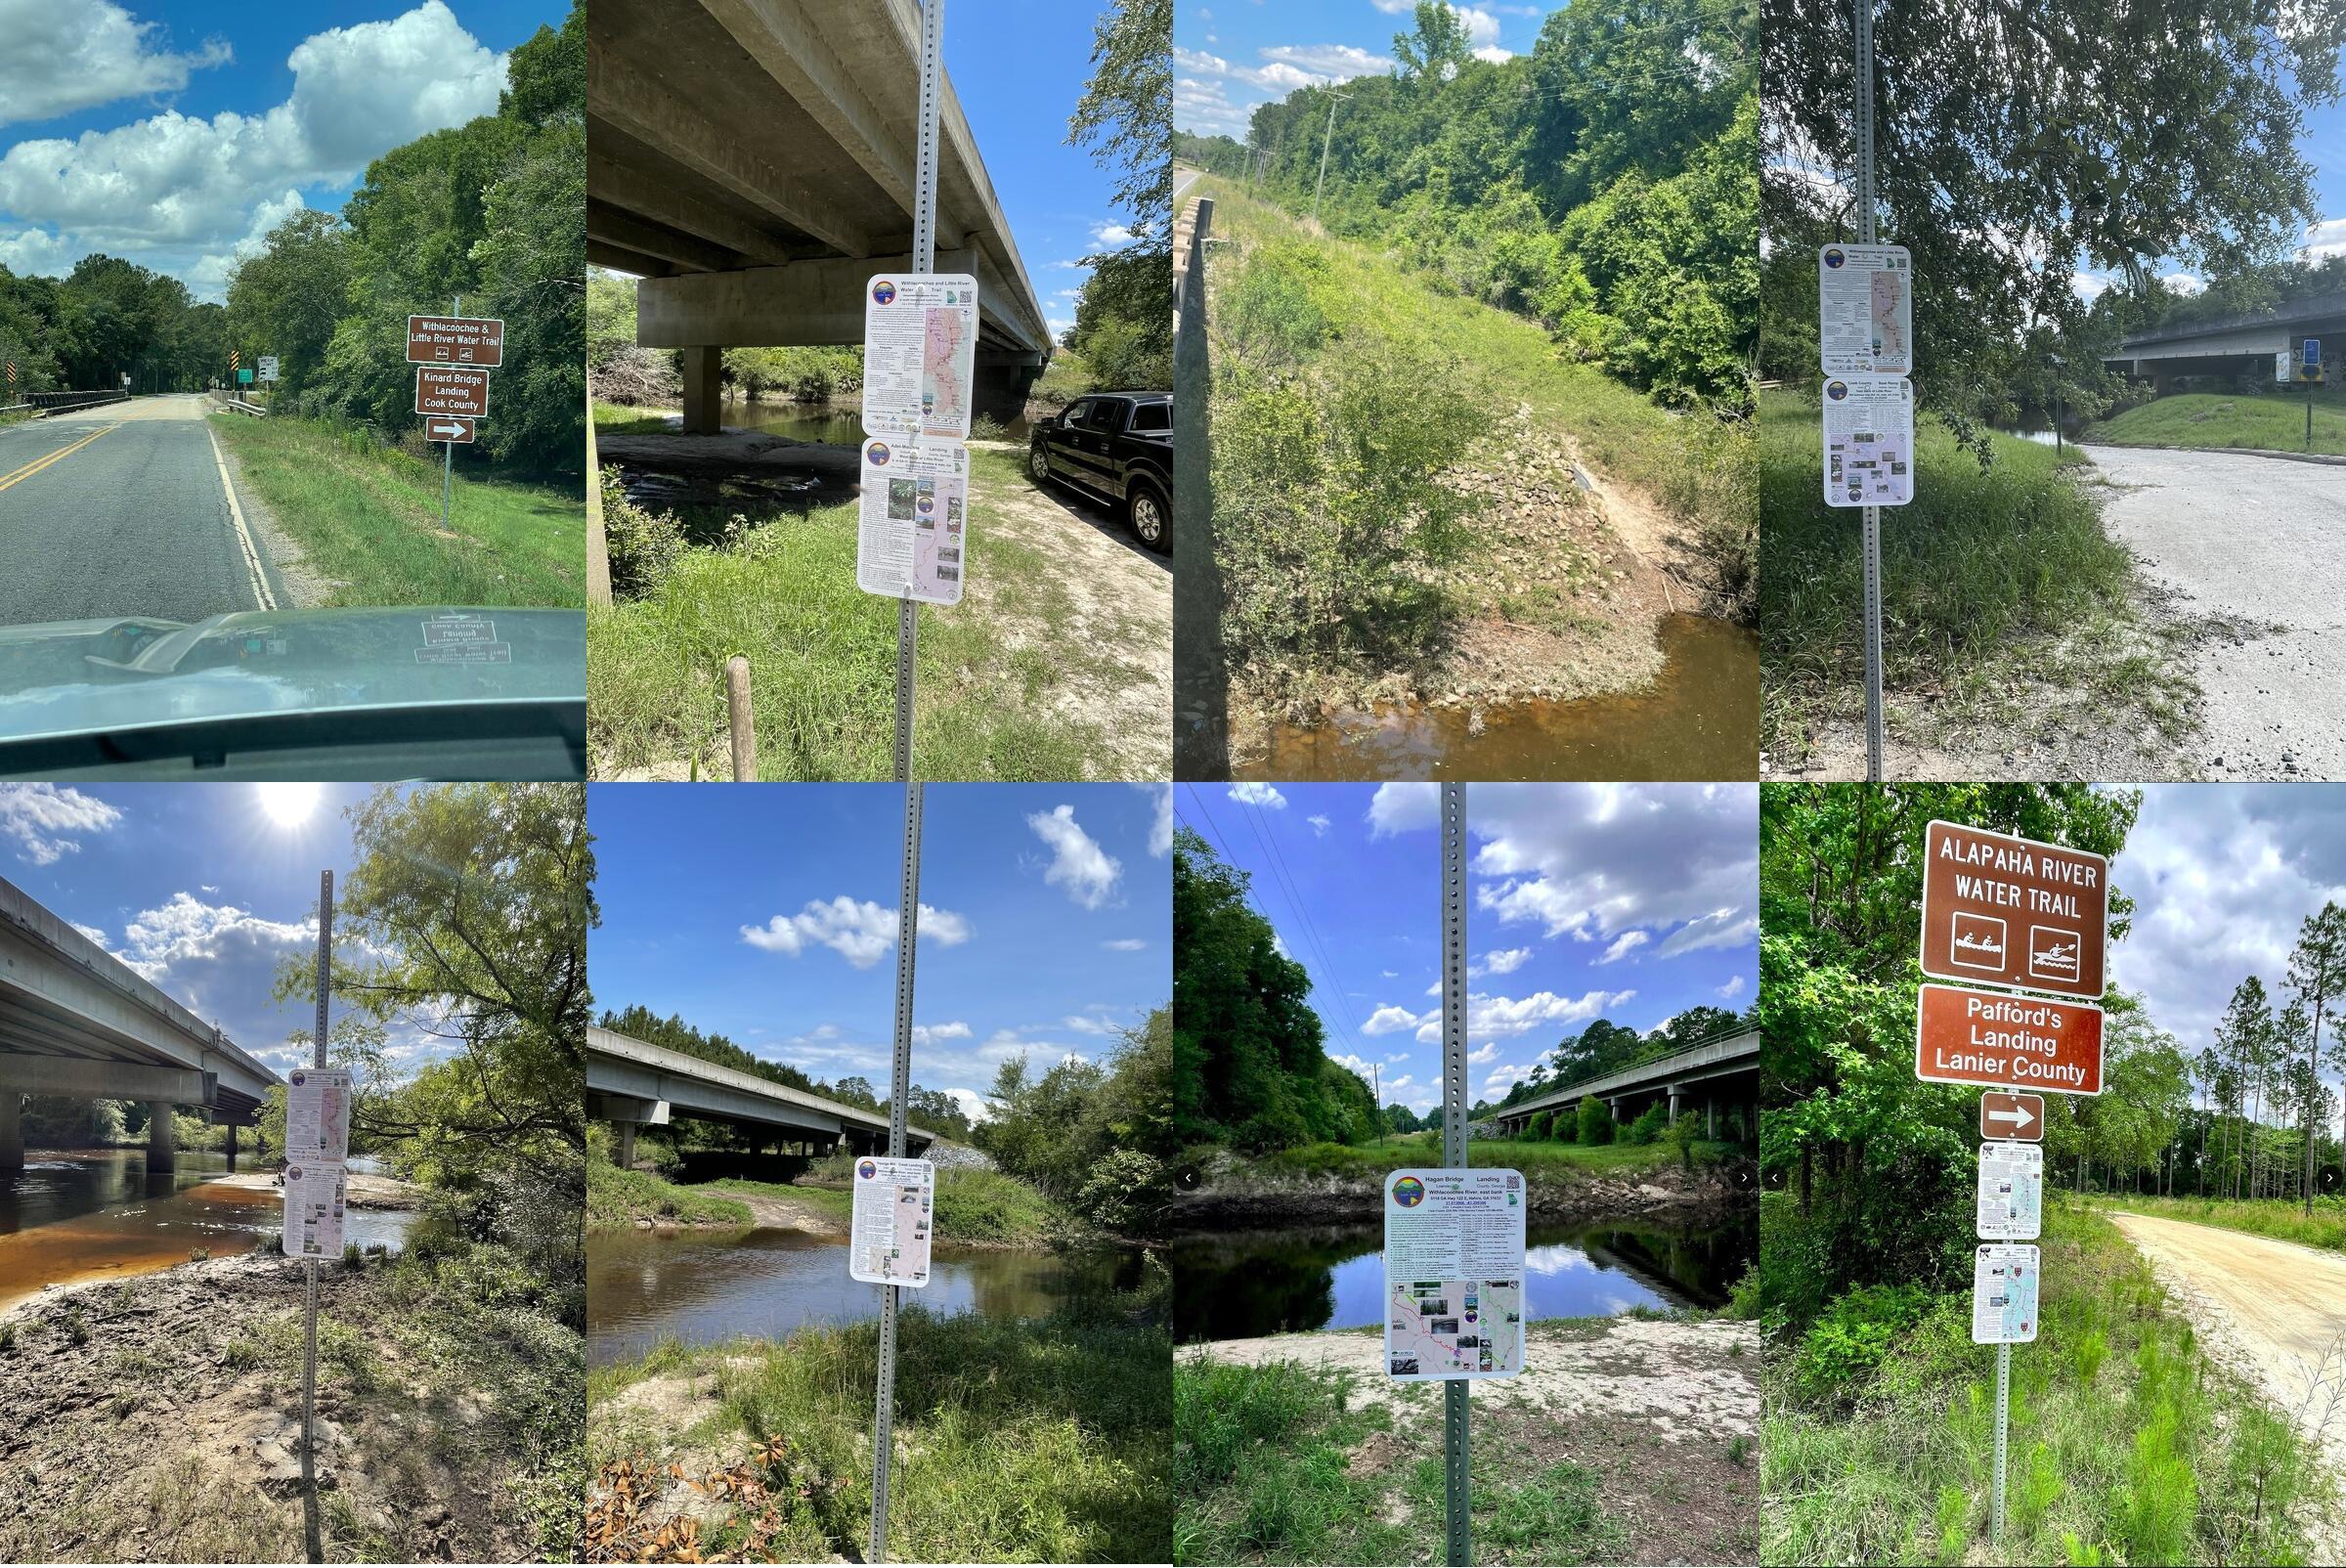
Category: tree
<point>1437,48</point>
<point>1401,1120</point>
<point>2245,1035</point>
<point>1596,1123</point>
<point>1124,317</point>
<point>2318,971</point>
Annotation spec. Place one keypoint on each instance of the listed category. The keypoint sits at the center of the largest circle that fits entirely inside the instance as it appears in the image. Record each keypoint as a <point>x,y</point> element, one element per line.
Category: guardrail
<point>58,402</point>
<point>238,404</point>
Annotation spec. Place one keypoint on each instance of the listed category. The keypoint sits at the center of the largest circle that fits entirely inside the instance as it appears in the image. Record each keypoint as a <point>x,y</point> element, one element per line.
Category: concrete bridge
<point>631,1083</point>
<point>1710,1075</point>
<point>752,161</point>
<point>76,1021</point>
<point>2243,345</point>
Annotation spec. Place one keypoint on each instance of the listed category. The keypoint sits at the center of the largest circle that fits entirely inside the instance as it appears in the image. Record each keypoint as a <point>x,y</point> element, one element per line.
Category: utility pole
<point>1333,99</point>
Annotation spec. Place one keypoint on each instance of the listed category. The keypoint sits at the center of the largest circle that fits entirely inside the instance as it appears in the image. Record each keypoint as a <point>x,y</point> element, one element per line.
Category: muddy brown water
<point>1699,720</point>
<point>702,1287</point>
<point>96,1214</point>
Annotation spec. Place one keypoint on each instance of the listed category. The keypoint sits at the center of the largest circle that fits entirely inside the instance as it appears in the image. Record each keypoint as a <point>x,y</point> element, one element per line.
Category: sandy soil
<point>2272,1311</point>
<point>1652,1407</point>
<point>361,1191</point>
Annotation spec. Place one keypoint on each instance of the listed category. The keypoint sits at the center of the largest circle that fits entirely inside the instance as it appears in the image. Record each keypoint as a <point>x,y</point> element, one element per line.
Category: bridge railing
<point>52,402</point>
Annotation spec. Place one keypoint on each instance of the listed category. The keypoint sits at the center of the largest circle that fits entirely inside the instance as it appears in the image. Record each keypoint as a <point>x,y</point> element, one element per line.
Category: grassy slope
<point>824,658</point>
<point>1990,579</point>
<point>619,419</point>
<point>1017,1441</point>
<point>615,1197</point>
<point>983,1206</point>
<point>2282,1220</point>
<point>2127,1443</point>
<point>2273,421</point>
<point>1534,1158</point>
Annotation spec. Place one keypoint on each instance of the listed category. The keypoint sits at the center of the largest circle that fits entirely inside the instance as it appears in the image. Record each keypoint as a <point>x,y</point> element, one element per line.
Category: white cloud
<point>1624,942</point>
<point>1319,825</point>
<point>1112,234</point>
<point>1506,961</point>
<point>972,1105</point>
<point>1397,809</point>
<point>186,929</point>
<point>60,56</point>
<point>1258,795</point>
<point>48,820</point>
<point>2324,238</point>
<point>2183,282</point>
<point>2089,286</point>
<point>938,1033</point>
<point>1160,826</point>
<point>1732,990</point>
<point>1507,1016</point>
<point>1389,1020</point>
<point>1087,1025</point>
<point>1087,872</point>
<point>1124,944</point>
<point>1488,1051</point>
<point>859,931</point>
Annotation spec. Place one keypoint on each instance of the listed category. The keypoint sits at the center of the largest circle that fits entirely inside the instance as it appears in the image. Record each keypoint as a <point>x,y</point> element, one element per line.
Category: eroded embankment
<point>1244,1193</point>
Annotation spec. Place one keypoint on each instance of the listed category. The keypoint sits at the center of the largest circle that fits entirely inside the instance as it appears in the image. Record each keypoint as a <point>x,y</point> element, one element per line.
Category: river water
<point>702,1287</point>
<point>1245,1283</point>
<point>1699,721</point>
<point>96,1214</point>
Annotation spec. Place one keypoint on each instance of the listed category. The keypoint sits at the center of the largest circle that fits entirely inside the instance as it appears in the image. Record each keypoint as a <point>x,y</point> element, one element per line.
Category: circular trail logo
<point>877,454</point>
<point>1409,1192</point>
<point>865,1170</point>
<point>1837,390</point>
<point>883,293</point>
<point>1833,256</point>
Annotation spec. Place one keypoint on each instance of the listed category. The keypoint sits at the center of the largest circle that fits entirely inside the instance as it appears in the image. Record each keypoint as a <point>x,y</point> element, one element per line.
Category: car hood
<point>118,672</point>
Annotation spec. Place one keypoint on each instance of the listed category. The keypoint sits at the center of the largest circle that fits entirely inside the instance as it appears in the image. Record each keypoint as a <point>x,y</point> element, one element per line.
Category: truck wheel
<point>1038,465</point>
<point>1152,519</point>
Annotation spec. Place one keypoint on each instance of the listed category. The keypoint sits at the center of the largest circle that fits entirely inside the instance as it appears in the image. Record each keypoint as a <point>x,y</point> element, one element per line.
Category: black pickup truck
<point>1117,446</point>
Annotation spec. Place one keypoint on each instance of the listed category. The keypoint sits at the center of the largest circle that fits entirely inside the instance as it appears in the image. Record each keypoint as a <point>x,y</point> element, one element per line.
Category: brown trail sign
<point>455,341</point>
<point>2006,911</point>
<point>452,390</point>
<point>1997,1039</point>
<point>2017,1117</point>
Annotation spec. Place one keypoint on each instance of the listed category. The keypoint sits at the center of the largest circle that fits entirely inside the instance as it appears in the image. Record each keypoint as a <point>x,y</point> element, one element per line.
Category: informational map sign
<point>455,341</point>
<point>1865,310</point>
<point>920,355</point>
<point>2285,367</point>
<point>895,1211</point>
<point>451,389</point>
<point>912,530</point>
<point>1869,441</point>
<point>1454,1274</point>
<point>317,1115</point>
<point>2012,1115</point>
<point>2007,911</point>
<point>314,1196</point>
<point>1994,1038</point>
<point>2011,1192</point>
<point>2004,1294</point>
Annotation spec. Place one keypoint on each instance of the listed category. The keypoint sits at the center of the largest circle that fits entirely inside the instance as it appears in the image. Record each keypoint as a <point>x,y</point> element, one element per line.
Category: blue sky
<point>769,916</point>
<point>1231,57</point>
<point>201,887</point>
<point>1629,902</point>
<point>177,134</point>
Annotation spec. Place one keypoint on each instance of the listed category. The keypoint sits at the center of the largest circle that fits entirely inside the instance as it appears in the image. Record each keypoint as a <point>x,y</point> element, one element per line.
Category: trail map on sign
<point>920,355</point>
<point>912,530</point>
<point>1454,1274</point>
<point>2011,1192</point>
<point>888,1238</point>
<point>1865,310</point>
<point>2003,1295</point>
<point>314,1198</point>
<point>1869,441</point>
<point>318,1115</point>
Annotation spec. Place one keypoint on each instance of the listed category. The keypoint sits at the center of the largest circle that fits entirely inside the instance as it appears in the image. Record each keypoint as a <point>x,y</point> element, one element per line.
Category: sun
<point>288,806</point>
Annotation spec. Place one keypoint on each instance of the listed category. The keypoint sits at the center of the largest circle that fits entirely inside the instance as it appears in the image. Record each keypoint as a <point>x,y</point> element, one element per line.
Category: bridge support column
<point>1710,1119</point>
<point>232,1145</point>
<point>163,1149</point>
<point>704,389</point>
<point>626,1154</point>
<point>12,1132</point>
<point>1674,1102</point>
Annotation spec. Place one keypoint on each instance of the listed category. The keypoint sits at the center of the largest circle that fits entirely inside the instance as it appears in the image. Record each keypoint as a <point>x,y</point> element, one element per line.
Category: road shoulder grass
<point>364,518</point>
<point>2280,1220</point>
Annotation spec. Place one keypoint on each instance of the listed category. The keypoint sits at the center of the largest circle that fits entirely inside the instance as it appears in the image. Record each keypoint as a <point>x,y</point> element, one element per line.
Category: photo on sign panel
<point>306,377</point>
<point>773,1196</point>
<point>1471,492</point>
<point>2061,377</point>
<point>1589,1231</point>
<point>195,1186</point>
<point>1961,1177</point>
<point>927,494</point>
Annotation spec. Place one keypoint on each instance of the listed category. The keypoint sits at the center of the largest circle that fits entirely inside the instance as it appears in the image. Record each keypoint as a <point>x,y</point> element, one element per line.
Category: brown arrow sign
<point>451,390</point>
<point>1998,1041</point>
<point>2012,1116</point>
<point>2006,911</point>
<point>442,427</point>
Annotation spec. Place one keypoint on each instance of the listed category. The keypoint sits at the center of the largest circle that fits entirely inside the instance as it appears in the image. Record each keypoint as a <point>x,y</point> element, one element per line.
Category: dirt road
<point>2273,1311</point>
<point>2257,545</point>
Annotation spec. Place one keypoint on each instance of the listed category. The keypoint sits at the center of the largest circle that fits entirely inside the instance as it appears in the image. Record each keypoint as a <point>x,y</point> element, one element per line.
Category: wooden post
<point>743,720</point>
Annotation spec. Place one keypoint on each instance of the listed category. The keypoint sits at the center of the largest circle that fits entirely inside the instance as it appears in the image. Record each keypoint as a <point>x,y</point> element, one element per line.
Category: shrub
<point>1649,1123</point>
<point>1596,1123</point>
<point>1855,1331</point>
<point>644,545</point>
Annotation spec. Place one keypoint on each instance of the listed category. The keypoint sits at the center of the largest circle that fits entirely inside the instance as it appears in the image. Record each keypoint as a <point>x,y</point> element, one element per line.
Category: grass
<point>2127,1443</point>
<point>615,1197</point>
<point>1537,1159</point>
<point>1016,1440</point>
<point>1990,580</point>
<point>981,1206</point>
<point>822,656</point>
<point>622,419</point>
<point>2282,1219</point>
<point>365,517</point>
<point>2274,421</point>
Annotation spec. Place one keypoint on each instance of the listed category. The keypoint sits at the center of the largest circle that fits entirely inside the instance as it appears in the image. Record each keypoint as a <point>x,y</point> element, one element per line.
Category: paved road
<point>2277,1308</point>
<point>122,510</point>
<point>2260,542</point>
<point>1183,178</point>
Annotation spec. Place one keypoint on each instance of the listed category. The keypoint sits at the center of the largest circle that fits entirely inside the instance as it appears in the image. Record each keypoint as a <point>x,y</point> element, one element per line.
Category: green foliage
<point>645,545</point>
<point>1123,328</point>
<point>1596,1121</point>
<point>1096,1136</point>
<point>615,1197</point>
<point>1851,1337</point>
<point>1682,1133</point>
<point>1649,1123</point>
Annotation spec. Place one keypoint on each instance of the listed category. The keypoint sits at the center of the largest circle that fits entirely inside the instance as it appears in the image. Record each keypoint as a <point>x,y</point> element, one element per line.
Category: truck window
<point>1153,417</point>
<point>1104,415</point>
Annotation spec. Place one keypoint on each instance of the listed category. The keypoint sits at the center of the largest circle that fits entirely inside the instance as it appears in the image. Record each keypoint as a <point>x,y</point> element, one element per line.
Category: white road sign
<point>895,1202</point>
<point>1865,310</point>
<point>912,532</point>
<point>2004,1294</point>
<point>2285,367</point>
<point>267,366</point>
<point>2011,1192</point>
<point>1454,1274</point>
<point>920,355</point>
<point>317,1115</point>
<point>1869,441</point>
<point>314,1198</point>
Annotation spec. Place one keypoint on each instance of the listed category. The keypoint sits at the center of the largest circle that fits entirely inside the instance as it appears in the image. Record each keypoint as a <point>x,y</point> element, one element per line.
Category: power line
<point>1311,931</point>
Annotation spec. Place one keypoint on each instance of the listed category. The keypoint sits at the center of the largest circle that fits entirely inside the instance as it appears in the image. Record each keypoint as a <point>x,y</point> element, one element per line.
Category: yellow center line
<point>59,455</point>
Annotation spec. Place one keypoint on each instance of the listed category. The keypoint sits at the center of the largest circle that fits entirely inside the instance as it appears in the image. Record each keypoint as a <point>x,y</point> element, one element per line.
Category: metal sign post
<point>899,1089</point>
<point>309,1348</point>
<point>1872,514</point>
<point>447,458</point>
<point>924,260</point>
<point>1457,1491</point>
